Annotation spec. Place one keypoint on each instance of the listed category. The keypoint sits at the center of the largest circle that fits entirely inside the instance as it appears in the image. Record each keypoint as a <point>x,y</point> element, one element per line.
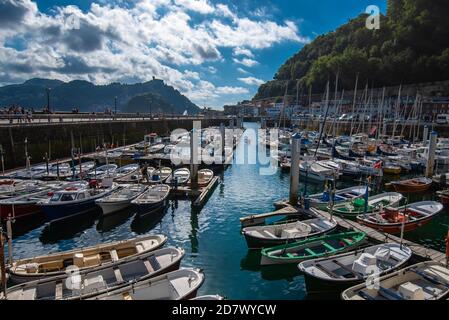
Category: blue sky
<point>215,52</point>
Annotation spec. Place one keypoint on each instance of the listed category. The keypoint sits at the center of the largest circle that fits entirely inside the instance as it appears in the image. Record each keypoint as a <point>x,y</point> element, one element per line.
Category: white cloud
<point>246,62</point>
<point>242,52</point>
<point>241,70</point>
<point>212,70</point>
<point>232,90</point>
<point>225,11</point>
<point>251,81</point>
<point>201,6</point>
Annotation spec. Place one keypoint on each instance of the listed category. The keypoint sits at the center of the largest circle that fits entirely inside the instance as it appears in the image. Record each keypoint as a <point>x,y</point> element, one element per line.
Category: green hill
<point>90,97</point>
<point>411,46</point>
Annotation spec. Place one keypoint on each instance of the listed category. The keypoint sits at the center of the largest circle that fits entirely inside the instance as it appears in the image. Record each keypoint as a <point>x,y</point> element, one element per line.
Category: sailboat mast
<point>396,109</point>
<point>325,118</point>
<point>354,102</point>
<point>381,115</point>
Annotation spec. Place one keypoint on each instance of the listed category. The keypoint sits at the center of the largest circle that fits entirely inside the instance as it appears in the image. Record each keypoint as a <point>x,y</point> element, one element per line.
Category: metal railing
<point>42,118</point>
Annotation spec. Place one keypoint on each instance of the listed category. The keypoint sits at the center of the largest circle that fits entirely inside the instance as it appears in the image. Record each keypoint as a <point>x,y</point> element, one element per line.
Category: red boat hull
<point>396,227</point>
<point>408,188</point>
<point>20,210</point>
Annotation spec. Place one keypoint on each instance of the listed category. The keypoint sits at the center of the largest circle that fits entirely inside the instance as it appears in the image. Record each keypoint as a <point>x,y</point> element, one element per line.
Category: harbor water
<point>210,236</point>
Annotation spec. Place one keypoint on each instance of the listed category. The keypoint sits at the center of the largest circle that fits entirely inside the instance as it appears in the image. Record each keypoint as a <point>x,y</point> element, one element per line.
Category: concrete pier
<point>294,170</point>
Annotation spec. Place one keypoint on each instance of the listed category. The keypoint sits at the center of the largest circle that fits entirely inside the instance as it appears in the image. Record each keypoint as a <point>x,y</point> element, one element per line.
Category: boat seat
<point>309,251</point>
<point>148,266</point>
<point>328,246</point>
<point>91,261</point>
<point>58,291</point>
<point>114,255</point>
<point>118,275</point>
<point>140,247</point>
<point>291,255</point>
<point>28,294</point>
<point>345,267</point>
<point>154,263</point>
<point>327,271</point>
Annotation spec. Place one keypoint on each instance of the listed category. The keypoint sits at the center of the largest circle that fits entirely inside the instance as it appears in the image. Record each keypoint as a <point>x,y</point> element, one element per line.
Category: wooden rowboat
<point>412,216</point>
<point>75,284</point>
<point>271,235</point>
<point>182,175</point>
<point>423,281</point>
<point>312,248</point>
<point>84,258</point>
<point>391,169</point>
<point>375,203</point>
<point>412,185</point>
<point>177,285</point>
<point>444,196</point>
<point>204,177</point>
<point>347,269</point>
<point>321,200</point>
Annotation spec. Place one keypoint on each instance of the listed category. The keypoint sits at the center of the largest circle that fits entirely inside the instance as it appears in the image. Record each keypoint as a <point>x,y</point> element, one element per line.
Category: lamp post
<point>48,99</point>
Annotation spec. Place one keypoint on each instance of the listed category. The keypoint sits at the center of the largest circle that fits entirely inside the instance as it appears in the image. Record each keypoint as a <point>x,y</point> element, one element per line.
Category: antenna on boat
<point>403,222</point>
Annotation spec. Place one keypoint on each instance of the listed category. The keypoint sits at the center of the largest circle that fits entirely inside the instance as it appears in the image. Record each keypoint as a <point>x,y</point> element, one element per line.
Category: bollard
<point>294,169</point>
<point>431,154</point>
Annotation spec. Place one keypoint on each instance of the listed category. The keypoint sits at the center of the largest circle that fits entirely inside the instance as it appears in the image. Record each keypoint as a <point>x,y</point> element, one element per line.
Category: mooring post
<point>194,159</point>
<point>9,235</point>
<point>425,134</point>
<point>294,170</point>
<point>431,154</point>
<point>223,143</point>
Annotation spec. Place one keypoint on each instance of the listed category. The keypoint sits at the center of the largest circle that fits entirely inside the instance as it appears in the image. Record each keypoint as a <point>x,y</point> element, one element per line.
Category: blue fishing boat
<point>72,201</point>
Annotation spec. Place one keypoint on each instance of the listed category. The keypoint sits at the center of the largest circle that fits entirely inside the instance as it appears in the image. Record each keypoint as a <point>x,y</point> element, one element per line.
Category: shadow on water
<point>24,225</point>
<point>112,221</point>
<point>251,262</point>
<point>68,228</point>
<point>144,224</point>
<point>193,236</point>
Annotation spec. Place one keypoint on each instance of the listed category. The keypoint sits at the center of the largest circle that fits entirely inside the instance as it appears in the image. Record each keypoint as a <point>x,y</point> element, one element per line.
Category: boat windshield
<point>55,197</point>
<point>68,197</point>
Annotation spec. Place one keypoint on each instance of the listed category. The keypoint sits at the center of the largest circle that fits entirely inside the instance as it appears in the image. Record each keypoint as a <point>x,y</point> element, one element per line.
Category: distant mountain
<point>90,97</point>
<point>150,103</point>
<point>411,46</point>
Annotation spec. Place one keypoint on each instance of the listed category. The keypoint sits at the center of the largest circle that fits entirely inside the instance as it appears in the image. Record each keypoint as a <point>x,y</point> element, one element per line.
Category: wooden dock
<point>417,249</point>
<point>205,193</point>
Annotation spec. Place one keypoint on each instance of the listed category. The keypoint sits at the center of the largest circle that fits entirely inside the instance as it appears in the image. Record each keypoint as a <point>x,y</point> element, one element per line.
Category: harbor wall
<point>56,139</point>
